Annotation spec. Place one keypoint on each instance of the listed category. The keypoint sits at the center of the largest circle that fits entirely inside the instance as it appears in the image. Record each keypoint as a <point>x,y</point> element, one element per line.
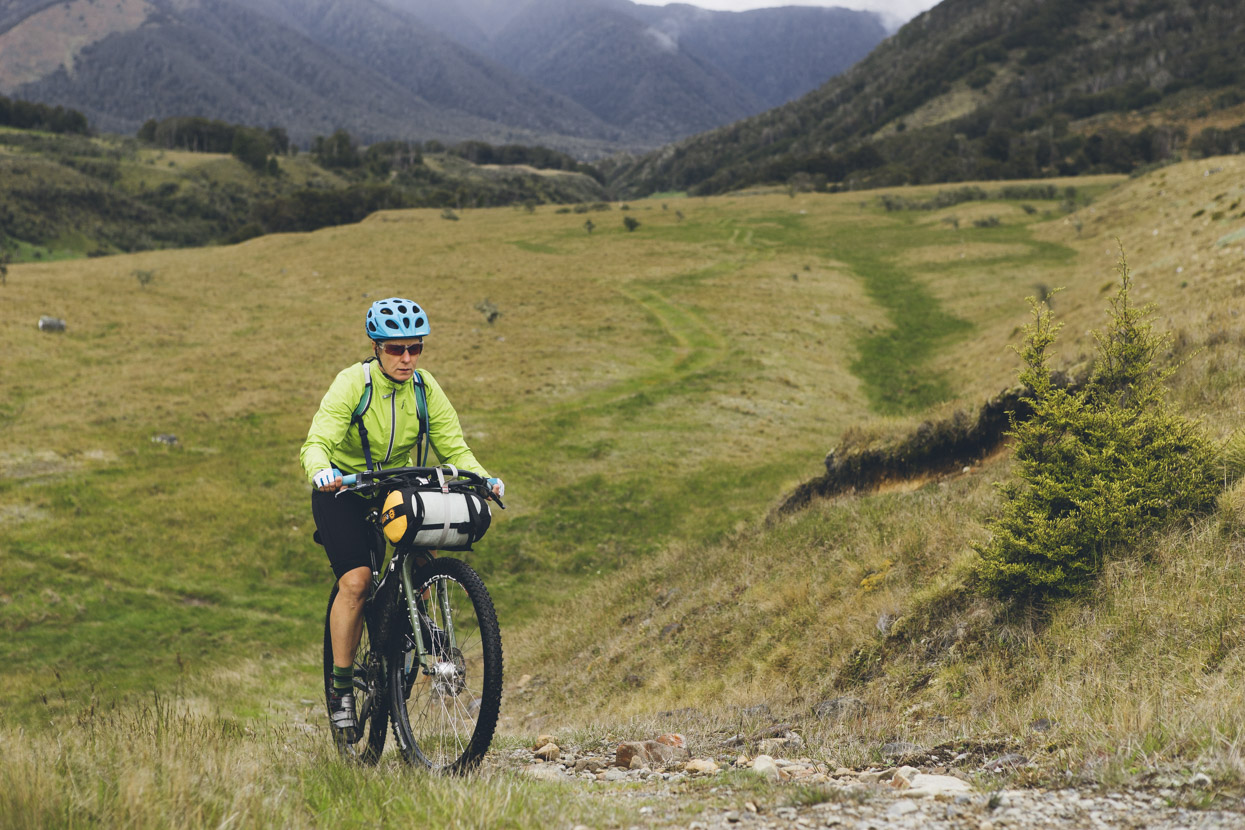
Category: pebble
<point>1011,759</point>
<point>901,808</point>
<point>704,766</point>
<point>764,765</point>
<point>548,752</point>
<point>903,798</point>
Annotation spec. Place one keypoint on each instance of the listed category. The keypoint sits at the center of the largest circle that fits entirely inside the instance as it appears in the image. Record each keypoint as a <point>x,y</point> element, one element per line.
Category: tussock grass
<point>648,397</point>
<point>1138,678</point>
<point>159,765</point>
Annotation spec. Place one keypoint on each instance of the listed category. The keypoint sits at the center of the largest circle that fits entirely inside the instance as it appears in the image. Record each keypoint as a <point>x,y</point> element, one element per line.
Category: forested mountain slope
<point>663,71</point>
<point>308,66</point>
<point>589,76</point>
<point>777,54</point>
<point>626,72</point>
<point>978,89</point>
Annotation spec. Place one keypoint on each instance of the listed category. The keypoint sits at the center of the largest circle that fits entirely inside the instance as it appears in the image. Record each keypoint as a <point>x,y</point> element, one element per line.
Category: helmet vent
<point>396,317</point>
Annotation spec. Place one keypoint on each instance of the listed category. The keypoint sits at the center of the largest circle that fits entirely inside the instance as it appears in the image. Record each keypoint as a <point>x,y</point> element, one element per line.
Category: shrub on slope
<point>1095,467</point>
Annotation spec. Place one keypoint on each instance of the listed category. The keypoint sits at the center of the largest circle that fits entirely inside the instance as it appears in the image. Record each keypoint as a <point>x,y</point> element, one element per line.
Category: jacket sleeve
<point>445,432</point>
<point>331,421</point>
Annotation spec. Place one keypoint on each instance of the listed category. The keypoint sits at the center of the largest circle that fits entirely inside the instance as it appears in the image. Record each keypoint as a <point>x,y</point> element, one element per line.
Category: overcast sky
<point>894,12</point>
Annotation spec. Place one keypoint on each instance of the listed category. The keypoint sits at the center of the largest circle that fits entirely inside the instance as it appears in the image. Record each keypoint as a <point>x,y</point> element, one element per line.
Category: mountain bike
<point>430,657</point>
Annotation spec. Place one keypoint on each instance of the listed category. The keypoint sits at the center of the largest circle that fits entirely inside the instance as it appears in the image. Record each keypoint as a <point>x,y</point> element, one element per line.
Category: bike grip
<point>348,481</point>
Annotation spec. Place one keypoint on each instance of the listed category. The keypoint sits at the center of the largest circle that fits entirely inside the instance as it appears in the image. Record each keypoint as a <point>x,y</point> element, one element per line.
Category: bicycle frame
<point>433,635</point>
<point>401,568</point>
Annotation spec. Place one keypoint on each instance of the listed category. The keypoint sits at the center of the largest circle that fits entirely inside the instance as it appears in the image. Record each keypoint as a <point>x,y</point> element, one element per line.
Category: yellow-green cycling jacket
<point>392,423</point>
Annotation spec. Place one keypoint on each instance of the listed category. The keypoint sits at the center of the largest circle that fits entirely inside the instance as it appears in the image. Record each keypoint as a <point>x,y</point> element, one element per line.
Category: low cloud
<point>665,42</point>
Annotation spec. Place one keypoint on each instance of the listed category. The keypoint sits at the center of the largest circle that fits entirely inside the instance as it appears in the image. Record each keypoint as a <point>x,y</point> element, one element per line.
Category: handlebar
<point>371,480</point>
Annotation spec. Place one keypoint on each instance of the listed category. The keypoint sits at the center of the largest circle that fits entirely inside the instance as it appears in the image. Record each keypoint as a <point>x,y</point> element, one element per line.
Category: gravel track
<point>777,793</point>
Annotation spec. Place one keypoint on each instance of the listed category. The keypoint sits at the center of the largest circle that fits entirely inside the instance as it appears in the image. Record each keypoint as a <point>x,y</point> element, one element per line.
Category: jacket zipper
<point>393,422</point>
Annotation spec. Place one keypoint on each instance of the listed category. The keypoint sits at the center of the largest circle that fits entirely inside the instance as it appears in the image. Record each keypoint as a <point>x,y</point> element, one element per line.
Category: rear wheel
<point>445,702</point>
<point>370,703</point>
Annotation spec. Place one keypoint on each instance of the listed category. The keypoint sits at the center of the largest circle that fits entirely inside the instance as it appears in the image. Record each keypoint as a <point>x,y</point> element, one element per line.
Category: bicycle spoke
<point>448,705</point>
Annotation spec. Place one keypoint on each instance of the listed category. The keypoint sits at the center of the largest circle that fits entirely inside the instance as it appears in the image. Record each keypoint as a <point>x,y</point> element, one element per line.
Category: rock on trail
<point>808,794</point>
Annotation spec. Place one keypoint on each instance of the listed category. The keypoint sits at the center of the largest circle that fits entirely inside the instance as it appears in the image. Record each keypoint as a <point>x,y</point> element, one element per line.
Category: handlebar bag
<point>435,520</point>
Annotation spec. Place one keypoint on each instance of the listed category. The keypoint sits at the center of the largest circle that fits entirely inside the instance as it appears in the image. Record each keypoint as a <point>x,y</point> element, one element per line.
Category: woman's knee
<point>355,584</point>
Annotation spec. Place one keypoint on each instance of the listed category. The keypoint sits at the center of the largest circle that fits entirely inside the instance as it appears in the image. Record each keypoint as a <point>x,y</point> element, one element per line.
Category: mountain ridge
<point>993,90</point>
<point>589,77</point>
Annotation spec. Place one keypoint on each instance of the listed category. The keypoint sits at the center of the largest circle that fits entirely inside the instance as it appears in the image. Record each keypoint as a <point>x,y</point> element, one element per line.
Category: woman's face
<point>399,366</point>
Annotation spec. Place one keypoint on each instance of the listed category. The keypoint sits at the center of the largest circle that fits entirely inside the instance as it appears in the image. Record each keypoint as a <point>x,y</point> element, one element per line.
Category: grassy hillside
<point>648,396</point>
<point>71,195</point>
<point>865,596</point>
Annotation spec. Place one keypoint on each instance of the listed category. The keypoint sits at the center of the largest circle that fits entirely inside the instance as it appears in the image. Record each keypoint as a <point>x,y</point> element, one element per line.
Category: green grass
<point>54,252</point>
<point>648,397</point>
<point>74,195</point>
<point>534,247</point>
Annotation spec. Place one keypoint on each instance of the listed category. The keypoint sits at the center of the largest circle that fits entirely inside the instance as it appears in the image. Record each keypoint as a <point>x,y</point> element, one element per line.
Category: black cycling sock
<point>343,679</point>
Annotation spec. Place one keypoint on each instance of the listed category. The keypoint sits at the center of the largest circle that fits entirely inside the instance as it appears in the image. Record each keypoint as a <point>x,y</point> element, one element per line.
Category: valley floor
<point>650,393</point>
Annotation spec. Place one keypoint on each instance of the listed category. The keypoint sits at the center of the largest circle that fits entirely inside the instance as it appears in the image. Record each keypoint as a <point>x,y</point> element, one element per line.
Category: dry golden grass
<point>1143,675</point>
<point>713,352</point>
<point>588,319</point>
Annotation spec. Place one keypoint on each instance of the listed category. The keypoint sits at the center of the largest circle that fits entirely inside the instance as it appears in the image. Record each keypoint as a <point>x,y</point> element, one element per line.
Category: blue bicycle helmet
<point>396,317</point>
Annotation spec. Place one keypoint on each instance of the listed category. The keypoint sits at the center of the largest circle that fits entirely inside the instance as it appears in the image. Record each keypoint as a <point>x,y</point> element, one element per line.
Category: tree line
<point>969,149</point>
<point>341,151</point>
<point>29,115</point>
<point>254,147</point>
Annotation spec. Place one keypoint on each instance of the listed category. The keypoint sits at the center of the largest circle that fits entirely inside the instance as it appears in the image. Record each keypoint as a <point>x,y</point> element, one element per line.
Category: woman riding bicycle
<point>370,418</point>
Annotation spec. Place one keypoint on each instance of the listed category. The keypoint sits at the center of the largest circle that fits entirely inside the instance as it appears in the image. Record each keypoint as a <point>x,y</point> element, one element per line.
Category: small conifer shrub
<point>1097,467</point>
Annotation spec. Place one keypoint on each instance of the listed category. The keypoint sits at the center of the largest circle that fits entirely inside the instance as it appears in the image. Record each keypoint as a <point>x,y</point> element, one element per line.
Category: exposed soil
<point>935,449</point>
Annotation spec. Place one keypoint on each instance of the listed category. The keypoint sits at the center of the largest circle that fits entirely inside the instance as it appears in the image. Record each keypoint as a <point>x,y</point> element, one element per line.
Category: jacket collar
<point>386,384</point>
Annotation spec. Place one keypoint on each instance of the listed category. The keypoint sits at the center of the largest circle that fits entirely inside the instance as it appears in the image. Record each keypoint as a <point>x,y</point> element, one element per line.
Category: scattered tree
<point>279,140</point>
<point>631,223</point>
<point>588,226</point>
<point>1097,467</point>
<point>337,151</point>
<point>250,146</point>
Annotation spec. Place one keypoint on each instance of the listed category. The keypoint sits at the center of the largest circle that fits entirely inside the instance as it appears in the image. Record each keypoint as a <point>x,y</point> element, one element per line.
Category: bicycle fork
<point>414,602</point>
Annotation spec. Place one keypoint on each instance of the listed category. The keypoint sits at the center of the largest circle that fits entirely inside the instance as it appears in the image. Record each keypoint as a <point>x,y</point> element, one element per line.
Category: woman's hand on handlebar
<point>497,486</point>
<point>329,479</point>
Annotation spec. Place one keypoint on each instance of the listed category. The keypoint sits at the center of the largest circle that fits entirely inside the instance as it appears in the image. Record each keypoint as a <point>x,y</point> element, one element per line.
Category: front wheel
<point>445,700</point>
<point>369,692</point>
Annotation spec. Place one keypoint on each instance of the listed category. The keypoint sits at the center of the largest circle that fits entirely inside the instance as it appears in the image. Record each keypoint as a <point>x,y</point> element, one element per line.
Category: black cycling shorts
<point>344,529</point>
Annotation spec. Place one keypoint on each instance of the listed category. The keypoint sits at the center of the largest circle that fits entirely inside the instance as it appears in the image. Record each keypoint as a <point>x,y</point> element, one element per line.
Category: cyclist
<point>386,434</point>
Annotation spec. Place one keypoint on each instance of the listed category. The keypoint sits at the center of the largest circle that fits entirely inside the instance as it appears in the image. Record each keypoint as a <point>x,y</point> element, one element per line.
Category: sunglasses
<point>396,349</point>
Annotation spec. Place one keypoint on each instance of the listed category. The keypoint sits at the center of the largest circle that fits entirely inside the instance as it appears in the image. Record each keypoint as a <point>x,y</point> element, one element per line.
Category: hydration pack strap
<point>424,441</point>
<point>357,417</point>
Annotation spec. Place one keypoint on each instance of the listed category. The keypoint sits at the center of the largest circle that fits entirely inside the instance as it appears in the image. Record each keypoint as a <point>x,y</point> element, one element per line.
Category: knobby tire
<point>445,720</point>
